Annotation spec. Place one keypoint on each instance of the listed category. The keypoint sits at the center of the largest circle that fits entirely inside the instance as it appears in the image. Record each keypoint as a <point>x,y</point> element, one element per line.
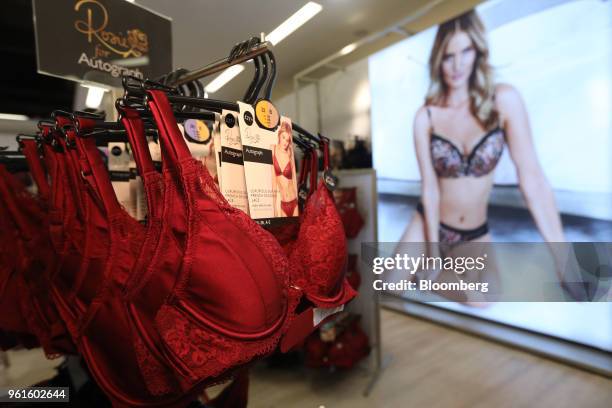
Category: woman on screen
<point>460,133</point>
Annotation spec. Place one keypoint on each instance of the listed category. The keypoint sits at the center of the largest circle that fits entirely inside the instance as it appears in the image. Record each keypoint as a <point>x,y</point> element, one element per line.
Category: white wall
<point>11,128</point>
<point>308,107</point>
<point>345,104</point>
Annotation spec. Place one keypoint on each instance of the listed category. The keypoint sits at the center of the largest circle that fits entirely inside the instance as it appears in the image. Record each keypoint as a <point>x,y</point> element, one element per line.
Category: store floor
<point>433,366</point>
<point>429,366</point>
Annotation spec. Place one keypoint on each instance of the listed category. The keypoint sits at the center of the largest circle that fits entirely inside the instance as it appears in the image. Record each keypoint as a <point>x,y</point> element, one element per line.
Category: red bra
<point>66,219</point>
<point>197,338</point>
<point>160,311</point>
<point>106,334</point>
<point>55,340</point>
<point>287,172</point>
<point>12,288</point>
<point>85,231</point>
<point>232,300</point>
<point>33,248</point>
<point>319,264</point>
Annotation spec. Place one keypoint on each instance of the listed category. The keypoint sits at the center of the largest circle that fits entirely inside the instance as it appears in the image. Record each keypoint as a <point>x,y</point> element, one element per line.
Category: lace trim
<point>205,354</point>
<point>320,262</point>
<point>156,376</point>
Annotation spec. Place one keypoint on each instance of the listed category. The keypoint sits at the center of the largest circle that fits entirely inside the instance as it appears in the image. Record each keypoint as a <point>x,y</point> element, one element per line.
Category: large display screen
<point>557,55</point>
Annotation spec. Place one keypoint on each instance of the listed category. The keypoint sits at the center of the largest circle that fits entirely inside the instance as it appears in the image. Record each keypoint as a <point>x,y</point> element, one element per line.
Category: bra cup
<point>446,160</point>
<point>487,156</point>
<point>251,300</point>
<point>318,250</point>
<point>231,299</point>
<point>176,202</point>
<point>323,258</point>
<point>233,264</point>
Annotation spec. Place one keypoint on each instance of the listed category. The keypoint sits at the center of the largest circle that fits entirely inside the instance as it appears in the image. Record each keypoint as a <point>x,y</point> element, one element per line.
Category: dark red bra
<point>33,248</point>
<point>160,311</point>
<point>287,172</point>
<point>232,300</point>
<point>55,340</point>
<point>204,330</point>
<point>12,288</point>
<point>318,265</point>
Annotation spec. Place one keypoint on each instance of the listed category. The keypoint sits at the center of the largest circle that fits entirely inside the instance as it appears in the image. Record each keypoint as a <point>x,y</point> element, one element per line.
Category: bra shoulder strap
<point>499,117</point>
<point>428,110</point>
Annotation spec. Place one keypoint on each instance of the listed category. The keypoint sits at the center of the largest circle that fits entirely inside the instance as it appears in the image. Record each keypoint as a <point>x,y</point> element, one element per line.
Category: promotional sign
<point>100,40</point>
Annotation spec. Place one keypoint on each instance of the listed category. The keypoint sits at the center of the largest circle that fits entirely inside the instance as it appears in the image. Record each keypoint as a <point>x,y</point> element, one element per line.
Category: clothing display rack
<point>245,55</point>
<point>367,304</point>
<point>106,270</point>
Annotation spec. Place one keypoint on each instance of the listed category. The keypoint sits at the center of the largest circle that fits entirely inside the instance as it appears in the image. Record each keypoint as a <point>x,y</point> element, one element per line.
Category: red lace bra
<point>318,265</point>
<point>287,172</point>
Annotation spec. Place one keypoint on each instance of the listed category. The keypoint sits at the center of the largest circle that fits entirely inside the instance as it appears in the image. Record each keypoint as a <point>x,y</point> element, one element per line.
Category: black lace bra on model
<point>450,162</point>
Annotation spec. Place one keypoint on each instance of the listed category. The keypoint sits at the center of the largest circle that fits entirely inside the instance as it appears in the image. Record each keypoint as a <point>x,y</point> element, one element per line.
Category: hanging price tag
<point>266,114</point>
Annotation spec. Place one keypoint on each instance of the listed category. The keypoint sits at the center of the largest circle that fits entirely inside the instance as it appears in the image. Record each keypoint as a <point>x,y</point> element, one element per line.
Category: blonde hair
<point>481,85</point>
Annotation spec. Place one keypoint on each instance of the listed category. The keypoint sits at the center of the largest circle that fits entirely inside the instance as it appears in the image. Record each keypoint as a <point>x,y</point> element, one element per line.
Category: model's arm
<point>430,195</point>
<point>533,184</point>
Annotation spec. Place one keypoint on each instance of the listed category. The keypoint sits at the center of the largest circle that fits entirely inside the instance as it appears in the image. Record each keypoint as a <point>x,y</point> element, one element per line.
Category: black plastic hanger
<point>256,75</point>
<point>272,78</point>
<point>303,132</point>
<point>263,76</point>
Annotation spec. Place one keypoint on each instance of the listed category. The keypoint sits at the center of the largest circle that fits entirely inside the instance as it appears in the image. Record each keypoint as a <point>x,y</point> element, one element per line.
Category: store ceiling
<point>206,30</point>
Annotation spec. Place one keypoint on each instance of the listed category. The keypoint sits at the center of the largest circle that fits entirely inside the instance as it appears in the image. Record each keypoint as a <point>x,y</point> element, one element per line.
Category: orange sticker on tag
<point>267,115</point>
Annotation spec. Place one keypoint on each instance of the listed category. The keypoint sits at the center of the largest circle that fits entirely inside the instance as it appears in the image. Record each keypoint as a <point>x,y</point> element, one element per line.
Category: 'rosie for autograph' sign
<point>99,40</point>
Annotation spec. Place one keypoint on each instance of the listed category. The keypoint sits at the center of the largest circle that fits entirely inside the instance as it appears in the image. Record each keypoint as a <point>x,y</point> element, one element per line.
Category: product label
<point>136,191</point>
<point>141,201</point>
<point>216,140</point>
<point>120,160</point>
<point>233,187</point>
<point>266,114</point>
<point>269,167</point>
<point>197,130</point>
<point>320,314</point>
<point>205,152</point>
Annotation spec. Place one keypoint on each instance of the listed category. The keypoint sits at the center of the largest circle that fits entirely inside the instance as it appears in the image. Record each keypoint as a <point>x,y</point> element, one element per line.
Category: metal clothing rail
<point>222,64</point>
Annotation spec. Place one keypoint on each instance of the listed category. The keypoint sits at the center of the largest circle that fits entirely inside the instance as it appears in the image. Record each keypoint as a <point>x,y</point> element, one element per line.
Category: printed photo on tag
<point>285,180</point>
<point>269,168</point>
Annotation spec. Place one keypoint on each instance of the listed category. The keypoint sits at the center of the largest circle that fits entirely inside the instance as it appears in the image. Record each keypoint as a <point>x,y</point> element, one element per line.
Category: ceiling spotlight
<point>223,78</point>
<point>299,18</point>
<point>12,116</point>
<point>94,96</point>
<point>348,49</point>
